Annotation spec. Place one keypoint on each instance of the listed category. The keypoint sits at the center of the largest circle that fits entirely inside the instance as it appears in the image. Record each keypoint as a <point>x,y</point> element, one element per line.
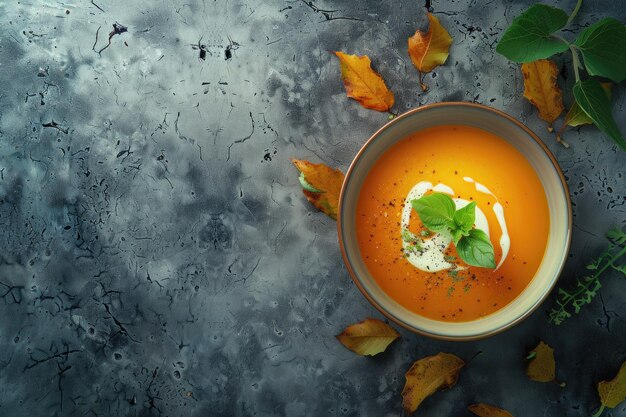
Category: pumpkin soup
<point>421,268</point>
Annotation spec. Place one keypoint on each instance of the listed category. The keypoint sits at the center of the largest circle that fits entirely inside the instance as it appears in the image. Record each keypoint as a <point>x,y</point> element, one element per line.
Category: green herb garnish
<point>476,249</point>
<point>414,244</point>
<point>425,233</point>
<point>586,288</point>
<point>450,291</point>
<point>532,36</point>
<point>454,274</point>
<point>438,213</point>
<point>407,236</point>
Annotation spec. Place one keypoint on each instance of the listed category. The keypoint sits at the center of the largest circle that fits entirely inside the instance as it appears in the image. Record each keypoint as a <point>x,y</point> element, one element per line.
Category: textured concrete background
<point>157,256</point>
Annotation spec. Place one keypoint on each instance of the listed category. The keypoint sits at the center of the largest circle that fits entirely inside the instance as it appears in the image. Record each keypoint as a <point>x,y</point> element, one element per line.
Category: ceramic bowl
<point>539,157</point>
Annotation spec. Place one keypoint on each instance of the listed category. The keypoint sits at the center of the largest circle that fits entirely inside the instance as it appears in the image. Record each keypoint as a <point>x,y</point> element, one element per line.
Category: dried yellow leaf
<point>486,410</point>
<point>369,337</point>
<point>363,83</point>
<point>542,367</point>
<point>426,376</point>
<point>613,392</point>
<point>429,50</point>
<point>323,185</point>
<point>541,89</point>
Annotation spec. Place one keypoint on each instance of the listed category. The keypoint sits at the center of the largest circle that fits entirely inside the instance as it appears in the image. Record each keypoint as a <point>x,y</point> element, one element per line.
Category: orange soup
<point>468,164</point>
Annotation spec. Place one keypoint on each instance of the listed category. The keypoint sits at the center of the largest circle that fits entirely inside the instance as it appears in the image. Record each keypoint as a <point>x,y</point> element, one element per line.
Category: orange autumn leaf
<point>542,367</point>
<point>363,83</point>
<point>486,410</point>
<point>368,337</point>
<point>426,376</point>
<point>541,90</point>
<point>429,50</point>
<point>321,185</point>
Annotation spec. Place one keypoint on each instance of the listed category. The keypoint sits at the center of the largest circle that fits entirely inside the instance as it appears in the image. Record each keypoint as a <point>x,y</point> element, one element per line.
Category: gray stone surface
<point>156,254</point>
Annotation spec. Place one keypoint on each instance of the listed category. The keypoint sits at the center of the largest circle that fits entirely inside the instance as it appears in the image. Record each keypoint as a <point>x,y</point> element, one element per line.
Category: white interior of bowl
<point>558,240</point>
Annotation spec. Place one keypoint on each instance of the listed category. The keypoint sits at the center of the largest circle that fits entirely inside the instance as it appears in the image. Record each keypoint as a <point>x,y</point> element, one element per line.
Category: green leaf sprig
<point>438,213</point>
<point>586,288</point>
<point>602,45</point>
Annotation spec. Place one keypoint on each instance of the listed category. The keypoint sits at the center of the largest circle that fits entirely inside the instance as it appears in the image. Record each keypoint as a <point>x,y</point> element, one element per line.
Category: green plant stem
<point>609,264</point>
<point>600,410</point>
<point>595,277</point>
<point>575,59</point>
<point>575,12</point>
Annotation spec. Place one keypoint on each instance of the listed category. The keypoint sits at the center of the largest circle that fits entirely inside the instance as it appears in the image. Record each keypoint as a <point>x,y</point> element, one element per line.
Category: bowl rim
<point>546,151</point>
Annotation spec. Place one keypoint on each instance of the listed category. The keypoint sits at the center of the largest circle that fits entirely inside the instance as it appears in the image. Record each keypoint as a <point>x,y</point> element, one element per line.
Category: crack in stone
<point>242,140</point>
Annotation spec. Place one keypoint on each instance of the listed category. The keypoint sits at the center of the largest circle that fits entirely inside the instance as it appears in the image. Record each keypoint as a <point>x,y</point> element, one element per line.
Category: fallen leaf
<point>323,185</point>
<point>541,367</point>
<point>613,392</point>
<point>368,337</point>
<point>541,90</point>
<point>429,50</point>
<point>363,83</point>
<point>486,410</point>
<point>427,375</point>
<point>305,184</point>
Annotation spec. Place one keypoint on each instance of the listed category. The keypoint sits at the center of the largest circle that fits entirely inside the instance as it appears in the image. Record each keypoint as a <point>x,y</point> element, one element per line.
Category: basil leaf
<point>476,249</point>
<point>528,39</point>
<point>593,100</point>
<point>603,46</point>
<point>464,217</point>
<point>436,211</point>
<point>457,234</point>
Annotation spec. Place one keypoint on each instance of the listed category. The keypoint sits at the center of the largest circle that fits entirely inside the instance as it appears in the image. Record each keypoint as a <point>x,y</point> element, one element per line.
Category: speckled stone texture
<point>157,257</point>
